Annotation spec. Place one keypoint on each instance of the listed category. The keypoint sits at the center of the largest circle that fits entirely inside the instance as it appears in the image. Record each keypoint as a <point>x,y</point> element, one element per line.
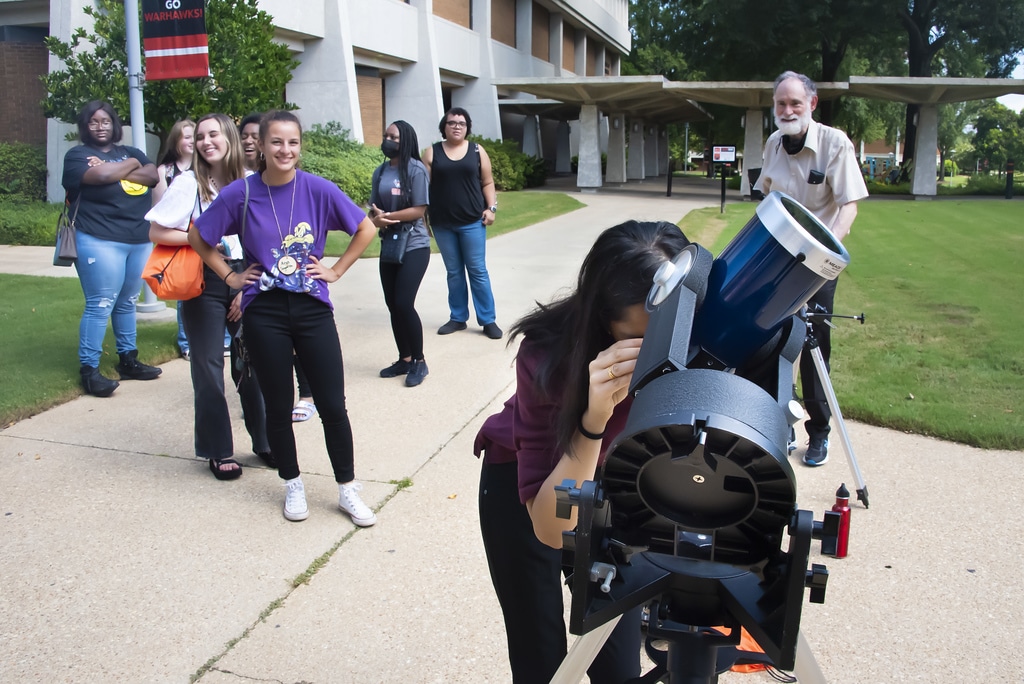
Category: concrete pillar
<point>524,26</point>
<point>616,172</point>
<point>65,17</point>
<point>589,170</point>
<point>479,97</point>
<point>414,94</point>
<point>324,83</point>
<point>555,27</point>
<point>651,142</point>
<point>580,65</point>
<point>753,145</point>
<point>635,167</point>
<point>531,136</point>
<point>563,153</point>
<point>923,182</point>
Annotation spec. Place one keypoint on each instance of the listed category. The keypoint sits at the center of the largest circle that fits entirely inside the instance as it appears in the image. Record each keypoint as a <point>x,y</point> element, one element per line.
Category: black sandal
<point>232,474</point>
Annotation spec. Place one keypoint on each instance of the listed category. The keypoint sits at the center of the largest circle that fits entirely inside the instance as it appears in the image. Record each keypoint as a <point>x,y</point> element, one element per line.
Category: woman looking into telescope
<point>573,371</point>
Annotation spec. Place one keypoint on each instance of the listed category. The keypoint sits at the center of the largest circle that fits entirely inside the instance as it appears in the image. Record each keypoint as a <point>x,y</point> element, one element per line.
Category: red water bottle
<point>842,507</point>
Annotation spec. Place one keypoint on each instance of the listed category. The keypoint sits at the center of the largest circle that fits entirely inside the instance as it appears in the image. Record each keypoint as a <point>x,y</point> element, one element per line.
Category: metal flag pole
<point>137,112</point>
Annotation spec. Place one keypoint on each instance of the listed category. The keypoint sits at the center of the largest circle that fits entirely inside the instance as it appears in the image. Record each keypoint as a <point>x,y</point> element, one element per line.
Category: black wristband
<point>587,433</point>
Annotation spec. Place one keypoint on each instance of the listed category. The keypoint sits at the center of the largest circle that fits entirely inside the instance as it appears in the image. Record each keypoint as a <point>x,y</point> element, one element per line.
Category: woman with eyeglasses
<point>108,187</point>
<point>463,202</point>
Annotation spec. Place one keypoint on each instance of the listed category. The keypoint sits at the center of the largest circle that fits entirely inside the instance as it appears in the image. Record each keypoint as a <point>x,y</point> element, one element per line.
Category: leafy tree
<point>999,135</point>
<point>250,70</point>
<point>985,32</point>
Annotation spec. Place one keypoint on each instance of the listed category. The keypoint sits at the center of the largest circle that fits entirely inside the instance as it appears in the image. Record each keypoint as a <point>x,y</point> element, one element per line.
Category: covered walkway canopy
<point>642,100</point>
<point>647,100</point>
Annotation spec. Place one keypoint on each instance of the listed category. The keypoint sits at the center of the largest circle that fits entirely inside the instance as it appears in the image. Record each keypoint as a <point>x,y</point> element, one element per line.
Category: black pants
<point>527,577</point>
<point>401,283</point>
<point>815,402</point>
<point>204,318</point>
<point>276,323</point>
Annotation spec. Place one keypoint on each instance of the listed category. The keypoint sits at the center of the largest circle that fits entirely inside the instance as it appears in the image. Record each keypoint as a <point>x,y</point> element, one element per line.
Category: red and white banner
<point>174,38</point>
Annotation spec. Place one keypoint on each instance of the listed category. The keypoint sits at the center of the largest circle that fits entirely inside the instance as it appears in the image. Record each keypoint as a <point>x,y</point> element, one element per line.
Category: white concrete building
<point>364,63</point>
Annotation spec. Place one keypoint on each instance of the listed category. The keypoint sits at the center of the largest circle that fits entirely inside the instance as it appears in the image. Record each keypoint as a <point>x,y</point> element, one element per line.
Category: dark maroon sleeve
<point>533,426</point>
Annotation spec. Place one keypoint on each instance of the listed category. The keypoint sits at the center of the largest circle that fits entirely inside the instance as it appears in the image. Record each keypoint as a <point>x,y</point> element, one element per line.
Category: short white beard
<point>794,128</point>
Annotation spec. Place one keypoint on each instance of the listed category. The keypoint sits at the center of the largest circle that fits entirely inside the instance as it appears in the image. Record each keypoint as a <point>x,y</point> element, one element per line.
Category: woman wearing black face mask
<point>398,201</point>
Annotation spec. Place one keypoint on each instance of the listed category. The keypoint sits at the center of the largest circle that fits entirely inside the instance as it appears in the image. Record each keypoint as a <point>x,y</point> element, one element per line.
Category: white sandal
<point>303,411</point>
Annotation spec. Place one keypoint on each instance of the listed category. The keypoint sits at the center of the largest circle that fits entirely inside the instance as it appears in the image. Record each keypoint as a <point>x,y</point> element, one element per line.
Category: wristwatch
<point>493,208</point>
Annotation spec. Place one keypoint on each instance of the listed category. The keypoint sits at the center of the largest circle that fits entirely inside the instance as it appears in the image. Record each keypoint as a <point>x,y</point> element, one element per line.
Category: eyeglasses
<point>455,124</point>
<point>106,123</point>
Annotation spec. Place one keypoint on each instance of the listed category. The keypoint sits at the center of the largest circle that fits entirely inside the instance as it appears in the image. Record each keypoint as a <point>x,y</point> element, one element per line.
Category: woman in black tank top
<point>463,203</point>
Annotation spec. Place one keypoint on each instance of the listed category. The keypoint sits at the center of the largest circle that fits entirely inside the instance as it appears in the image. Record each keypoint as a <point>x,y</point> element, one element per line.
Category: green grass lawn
<point>939,283</point>
<point>515,210</point>
<point>39,320</point>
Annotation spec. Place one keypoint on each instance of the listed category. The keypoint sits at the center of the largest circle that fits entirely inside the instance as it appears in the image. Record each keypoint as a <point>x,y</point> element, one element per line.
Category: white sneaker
<point>295,508</point>
<point>349,501</point>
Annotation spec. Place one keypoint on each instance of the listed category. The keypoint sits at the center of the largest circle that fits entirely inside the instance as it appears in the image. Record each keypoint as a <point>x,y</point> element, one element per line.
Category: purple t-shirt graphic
<point>286,224</point>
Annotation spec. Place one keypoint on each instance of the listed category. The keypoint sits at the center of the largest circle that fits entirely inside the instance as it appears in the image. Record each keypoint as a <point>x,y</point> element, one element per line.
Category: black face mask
<point>389,148</point>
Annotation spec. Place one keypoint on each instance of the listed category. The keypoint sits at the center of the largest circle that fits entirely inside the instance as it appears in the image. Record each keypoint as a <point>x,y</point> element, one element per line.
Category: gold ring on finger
<point>611,374</point>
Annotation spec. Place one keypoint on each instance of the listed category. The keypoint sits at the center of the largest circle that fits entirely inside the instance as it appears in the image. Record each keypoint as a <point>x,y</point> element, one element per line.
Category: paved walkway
<point>123,560</point>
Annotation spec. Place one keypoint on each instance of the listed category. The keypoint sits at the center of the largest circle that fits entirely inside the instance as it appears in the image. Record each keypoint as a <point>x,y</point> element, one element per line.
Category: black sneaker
<point>96,384</point>
<point>493,331</point>
<point>131,368</point>
<point>417,371</point>
<point>817,452</point>
<point>399,367</point>
<point>450,327</point>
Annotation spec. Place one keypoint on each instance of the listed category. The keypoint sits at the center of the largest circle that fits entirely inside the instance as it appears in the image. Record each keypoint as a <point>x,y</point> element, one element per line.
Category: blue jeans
<point>464,251</point>
<point>111,277</point>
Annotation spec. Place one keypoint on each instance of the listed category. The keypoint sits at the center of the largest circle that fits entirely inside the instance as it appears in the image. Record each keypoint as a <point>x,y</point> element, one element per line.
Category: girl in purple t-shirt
<point>282,216</point>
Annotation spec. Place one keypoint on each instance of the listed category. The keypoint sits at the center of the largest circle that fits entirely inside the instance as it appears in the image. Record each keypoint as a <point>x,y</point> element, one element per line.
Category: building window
<point>541,48</point>
<point>503,21</point>
<point>456,11</point>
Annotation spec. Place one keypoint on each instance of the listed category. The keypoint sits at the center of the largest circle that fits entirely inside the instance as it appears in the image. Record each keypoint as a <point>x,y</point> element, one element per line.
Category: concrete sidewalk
<point>124,560</point>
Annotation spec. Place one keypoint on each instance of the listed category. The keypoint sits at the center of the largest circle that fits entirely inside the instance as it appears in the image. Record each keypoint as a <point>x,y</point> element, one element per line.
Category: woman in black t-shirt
<point>108,186</point>
<point>463,202</point>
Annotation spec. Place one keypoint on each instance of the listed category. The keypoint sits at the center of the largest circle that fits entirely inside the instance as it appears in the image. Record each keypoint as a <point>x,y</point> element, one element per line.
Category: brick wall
<point>457,11</point>
<point>503,21</point>
<point>541,47</point>
<point>568,48</point>
<point>371,107</point>
<point>21,114</point>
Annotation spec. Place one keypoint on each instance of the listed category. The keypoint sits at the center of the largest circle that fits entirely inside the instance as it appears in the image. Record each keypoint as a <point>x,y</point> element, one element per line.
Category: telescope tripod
<point>811,347</point>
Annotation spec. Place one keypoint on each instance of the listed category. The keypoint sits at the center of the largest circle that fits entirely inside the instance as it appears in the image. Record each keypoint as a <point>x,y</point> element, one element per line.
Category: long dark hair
<point>85,135</point>
<point>408,148</point>
<point>616,274</point>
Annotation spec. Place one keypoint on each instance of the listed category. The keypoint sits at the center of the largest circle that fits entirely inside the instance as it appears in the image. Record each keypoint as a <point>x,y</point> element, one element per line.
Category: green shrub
<point>328,151</point>
<point>510,168</point>
<point>25,222</point>
<point>23,170</point>
<point>951,168</point>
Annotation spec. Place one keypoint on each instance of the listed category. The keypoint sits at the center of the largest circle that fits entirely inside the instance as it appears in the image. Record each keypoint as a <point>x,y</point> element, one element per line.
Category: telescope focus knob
<point>567,495</point>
